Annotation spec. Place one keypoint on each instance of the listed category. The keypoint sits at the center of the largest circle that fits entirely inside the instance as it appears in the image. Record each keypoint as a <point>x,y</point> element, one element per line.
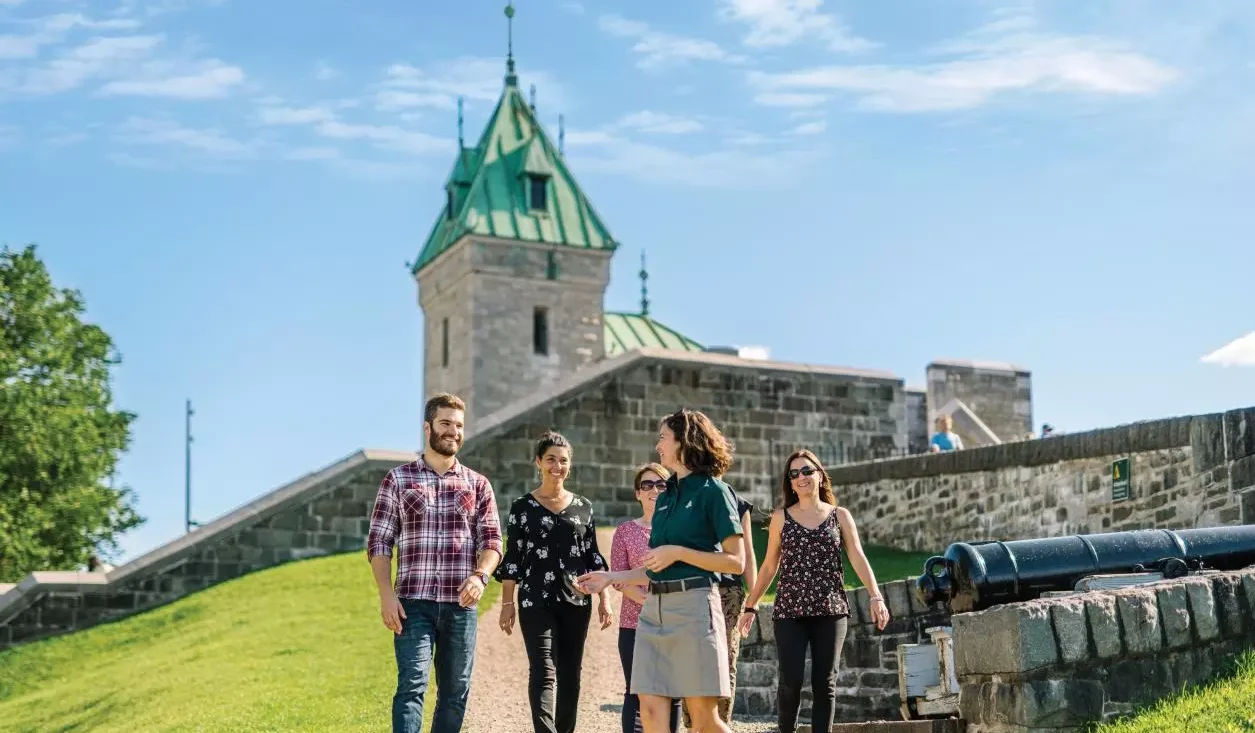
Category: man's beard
<point>434,441</point>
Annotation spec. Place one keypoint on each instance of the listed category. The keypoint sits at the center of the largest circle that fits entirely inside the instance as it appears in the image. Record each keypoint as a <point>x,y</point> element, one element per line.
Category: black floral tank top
<point>812,578</point>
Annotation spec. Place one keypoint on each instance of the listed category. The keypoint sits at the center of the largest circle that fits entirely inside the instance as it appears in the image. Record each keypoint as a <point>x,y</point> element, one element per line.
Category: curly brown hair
<point>825,483</point>
<point>657,468</point>
<point>703,449</point>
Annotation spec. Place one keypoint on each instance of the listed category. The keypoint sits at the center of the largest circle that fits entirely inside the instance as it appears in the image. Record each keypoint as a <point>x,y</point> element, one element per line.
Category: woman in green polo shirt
<point>681,647</point>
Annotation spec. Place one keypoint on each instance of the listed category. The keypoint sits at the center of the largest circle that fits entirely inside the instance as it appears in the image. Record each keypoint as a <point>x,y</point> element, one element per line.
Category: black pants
<point>631,703</point>
<point>825,635</point>
<point>554,638</point>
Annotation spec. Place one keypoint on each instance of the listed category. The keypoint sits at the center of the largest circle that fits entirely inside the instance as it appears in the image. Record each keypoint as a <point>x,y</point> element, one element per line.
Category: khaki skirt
<point>681,646</point>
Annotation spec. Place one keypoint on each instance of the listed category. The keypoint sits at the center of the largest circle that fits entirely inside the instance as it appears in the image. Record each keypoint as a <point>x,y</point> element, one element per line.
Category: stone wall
<point>999,394</point>
<point>1056,664</point>
<point>767,409</point>
<point>917,426</point>
<point>867,680</point>
<point>1193,471</point>
<point>321,514</point>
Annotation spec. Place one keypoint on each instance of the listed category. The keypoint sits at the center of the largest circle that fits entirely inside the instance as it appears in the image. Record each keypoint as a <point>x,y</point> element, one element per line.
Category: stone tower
<point>512,277</point>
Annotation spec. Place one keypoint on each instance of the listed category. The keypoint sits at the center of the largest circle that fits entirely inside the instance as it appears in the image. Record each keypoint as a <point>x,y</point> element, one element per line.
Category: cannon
<point>972,576</point>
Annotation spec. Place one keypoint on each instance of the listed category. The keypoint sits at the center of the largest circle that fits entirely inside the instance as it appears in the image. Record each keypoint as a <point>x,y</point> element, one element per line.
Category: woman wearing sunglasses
<point>805,542</point>
<point>627,552</point>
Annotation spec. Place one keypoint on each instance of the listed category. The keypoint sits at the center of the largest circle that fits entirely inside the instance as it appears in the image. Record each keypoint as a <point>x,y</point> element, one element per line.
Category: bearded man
<point>442,517</point>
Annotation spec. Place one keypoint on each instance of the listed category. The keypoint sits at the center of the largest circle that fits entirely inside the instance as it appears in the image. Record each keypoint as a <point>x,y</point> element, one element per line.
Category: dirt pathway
<point>498,701</point>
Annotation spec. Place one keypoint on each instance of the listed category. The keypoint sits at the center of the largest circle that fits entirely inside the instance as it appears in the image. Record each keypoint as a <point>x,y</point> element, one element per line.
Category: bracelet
<point>508,603</point>
<point>876,598</point>
<point>751,610</point>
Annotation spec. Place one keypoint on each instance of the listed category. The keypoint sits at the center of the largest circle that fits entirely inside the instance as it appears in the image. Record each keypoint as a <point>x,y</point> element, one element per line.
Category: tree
<point>60,438</point>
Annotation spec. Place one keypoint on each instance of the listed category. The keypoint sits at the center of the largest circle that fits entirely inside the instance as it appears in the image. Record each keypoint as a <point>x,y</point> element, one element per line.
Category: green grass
<point>1225,705</point>
<point>887,563</point>
<point>295,648</point>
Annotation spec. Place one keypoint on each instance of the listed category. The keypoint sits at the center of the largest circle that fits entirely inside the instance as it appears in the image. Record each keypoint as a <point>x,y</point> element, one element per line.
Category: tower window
<point>449,204</point>
<point>444,343</point>
<point>538,192</point>
<point>540,331</point>
<point>551,265</point>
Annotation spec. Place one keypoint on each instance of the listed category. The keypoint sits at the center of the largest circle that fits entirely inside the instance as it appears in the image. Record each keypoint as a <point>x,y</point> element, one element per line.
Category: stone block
<point>1071,631</point>
<point>1174,609</point>
<point>1202,608</point>
<point>897,597</point>
<point>1239,431</point>
<point>1104,625</point>
<point>1139,617</point>
<point>1248,588</point>
<point>861,652</point>
<point>756,674</point>
<point>1009,639</point>
<point>1227,588</point>
<point>1033,704</point>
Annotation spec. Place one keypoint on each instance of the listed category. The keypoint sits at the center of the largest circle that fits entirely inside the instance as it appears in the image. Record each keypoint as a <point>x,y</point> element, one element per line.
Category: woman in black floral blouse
<point>551,539</point>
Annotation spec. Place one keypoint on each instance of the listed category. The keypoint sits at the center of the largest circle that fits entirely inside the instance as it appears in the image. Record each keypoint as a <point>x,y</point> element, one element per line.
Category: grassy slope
<point>299,647</point>
<point>1227,705</point>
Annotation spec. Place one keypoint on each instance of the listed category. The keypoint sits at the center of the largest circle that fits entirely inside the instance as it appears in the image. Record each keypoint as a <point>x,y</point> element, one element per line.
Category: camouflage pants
<point>733,599</point>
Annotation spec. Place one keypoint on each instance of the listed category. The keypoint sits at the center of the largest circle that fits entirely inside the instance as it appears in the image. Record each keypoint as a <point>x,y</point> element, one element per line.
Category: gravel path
<point>498,699</point>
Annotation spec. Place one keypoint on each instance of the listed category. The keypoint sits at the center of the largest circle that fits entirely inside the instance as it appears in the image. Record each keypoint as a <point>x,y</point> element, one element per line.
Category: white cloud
<point>659,50</point>
<point>96,58</point>
<point>790,99</point>
<point>1239,352</point>
<point>314,153</point>
<point>997,59</point>
<point>477,79</point>
<point>326,72</point>
<point>573,8</point>
<point>53,29</point>
<point>660,123</point>
<point>723,168</point>
<point>66,139</point>
<point>810,128</point>
<point>213,80</point>
<point>388,136</point>
<point>149,131</point>
<point>374,170</point>
<point>774,23</point>
<point>269,115</point>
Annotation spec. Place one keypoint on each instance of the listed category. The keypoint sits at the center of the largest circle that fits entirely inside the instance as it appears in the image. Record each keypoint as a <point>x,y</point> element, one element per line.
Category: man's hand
<point>391,611</point>
<point>470,591</point>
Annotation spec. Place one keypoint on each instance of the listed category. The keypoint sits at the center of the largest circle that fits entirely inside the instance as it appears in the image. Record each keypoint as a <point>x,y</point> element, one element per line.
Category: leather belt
<point>658,587</point>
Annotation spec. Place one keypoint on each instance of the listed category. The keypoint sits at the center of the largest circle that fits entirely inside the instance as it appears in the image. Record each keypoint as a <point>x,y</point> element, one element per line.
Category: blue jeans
<point>448,630</point>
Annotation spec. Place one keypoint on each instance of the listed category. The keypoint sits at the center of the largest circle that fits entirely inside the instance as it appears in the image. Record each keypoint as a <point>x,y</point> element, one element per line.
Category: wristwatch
<point>482,576</point>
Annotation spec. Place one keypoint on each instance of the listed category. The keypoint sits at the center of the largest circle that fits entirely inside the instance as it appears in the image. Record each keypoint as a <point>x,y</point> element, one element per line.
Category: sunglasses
<point>653,485</point>
<point>803,471</point>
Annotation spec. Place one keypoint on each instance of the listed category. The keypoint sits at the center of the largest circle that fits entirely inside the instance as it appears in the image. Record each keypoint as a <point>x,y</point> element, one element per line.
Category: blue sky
<point>236,187</point>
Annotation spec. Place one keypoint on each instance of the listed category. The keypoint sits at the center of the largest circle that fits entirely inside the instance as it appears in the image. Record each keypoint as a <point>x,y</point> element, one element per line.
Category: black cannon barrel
<point>976,575</point>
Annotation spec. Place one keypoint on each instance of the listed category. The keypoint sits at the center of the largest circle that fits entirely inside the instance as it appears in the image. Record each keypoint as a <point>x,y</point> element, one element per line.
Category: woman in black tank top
<point>805,542</point>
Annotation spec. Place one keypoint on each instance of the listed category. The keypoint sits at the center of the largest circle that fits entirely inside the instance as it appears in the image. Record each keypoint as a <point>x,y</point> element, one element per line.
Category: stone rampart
<point>1184,472</point>
<point>1056,664</point>
<point>867,680</point>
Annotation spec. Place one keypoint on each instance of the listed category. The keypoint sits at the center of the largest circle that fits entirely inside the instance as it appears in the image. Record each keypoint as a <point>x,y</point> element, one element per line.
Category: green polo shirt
<point>697,512</point>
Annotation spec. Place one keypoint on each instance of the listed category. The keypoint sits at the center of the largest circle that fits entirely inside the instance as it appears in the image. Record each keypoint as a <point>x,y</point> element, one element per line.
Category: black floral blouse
<point>545,551</point>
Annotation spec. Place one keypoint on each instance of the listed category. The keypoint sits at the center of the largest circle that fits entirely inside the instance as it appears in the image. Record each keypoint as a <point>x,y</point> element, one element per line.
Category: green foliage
<point>59,438</point>
<point>295,648</point>
<point>1224,705</point>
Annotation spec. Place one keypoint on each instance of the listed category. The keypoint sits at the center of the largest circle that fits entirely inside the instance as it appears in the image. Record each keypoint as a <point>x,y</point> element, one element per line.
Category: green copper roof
<point>628,331</point>
<point>489,188</point>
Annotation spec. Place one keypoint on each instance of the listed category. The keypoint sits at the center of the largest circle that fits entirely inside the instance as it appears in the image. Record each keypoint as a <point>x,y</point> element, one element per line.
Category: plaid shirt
<point>439,524</point>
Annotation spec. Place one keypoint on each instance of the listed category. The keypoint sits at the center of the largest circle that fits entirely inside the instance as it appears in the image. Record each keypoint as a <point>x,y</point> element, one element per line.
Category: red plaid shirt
<point>439,524</point>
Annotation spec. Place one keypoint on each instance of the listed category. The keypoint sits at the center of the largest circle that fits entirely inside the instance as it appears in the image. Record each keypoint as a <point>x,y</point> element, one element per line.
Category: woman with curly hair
<point>804,543</point>
<point>681,649</point>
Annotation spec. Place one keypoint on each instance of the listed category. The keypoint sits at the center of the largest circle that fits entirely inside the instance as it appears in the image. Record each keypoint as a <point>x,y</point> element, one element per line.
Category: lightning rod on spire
<point>531,98</point>
<point>461,143</point>
<point>509,63</point>
<point>561,135</point>
<point>644,286</point>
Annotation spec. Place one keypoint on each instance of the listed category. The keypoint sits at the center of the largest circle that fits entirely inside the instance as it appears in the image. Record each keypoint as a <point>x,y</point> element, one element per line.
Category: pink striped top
<point>627,551</point>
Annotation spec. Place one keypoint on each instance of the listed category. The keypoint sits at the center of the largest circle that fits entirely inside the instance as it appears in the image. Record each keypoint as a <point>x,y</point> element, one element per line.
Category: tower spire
<point>644,286</point>
<point>510,78</point>
<point>461,143</point>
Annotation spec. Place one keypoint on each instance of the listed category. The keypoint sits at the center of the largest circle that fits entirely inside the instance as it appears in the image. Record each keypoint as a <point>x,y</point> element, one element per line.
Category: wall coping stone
<point>300,491</point>
<point>578,382</point>
<point>983,366</point>
<point>1137,437</point>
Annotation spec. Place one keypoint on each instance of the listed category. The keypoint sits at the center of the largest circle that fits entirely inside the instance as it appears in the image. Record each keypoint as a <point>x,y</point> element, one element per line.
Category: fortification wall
<point>867,681</point>
<point>1055,664</point>
<point>1192,471</point>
